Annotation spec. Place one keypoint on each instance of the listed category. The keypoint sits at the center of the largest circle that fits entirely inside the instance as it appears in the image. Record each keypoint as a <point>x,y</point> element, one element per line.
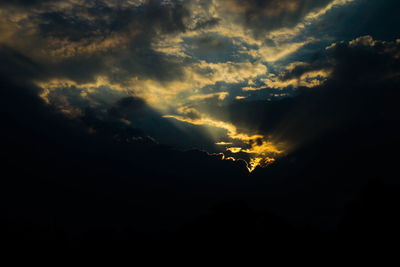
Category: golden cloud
<point>308,79</point>
<point>219,95</point>
<point>261,152</point>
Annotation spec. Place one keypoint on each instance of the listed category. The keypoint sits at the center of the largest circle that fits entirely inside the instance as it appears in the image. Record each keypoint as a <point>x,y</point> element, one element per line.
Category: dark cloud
<point>209,43</point>
<point>375,18</point>
<point>17,66</point>
<point>205,24</point>
<point>360,61</point>
<point>213,48</point>
<point>26,3</point>
<point>266,15</point>
<point>128,107</point>
<point>84,41</point>
<point>359,68</point>
<point>365,60</point>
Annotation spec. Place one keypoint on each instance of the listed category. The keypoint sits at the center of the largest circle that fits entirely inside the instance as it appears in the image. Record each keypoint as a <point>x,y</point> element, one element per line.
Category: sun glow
<point>256,150</point>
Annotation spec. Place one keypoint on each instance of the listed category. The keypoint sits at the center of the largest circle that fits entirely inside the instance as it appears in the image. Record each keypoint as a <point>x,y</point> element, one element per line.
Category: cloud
<point>165,52</point>
<point>204,24</point>
<point>364,59</point>
<point>228,72</point>
<point>275,52</point>
<point>219,95</point>
<point>256,149</point>
<point>345,83</point>
<point>369,60</point>
<point>308,79</point>
<point>265,16</point>
<point>68,38</point>
<point>127,106</point>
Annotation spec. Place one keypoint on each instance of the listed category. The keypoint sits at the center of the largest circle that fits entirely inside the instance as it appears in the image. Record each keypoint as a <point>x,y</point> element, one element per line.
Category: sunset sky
<point>221,90</point>
<point>187,60</point>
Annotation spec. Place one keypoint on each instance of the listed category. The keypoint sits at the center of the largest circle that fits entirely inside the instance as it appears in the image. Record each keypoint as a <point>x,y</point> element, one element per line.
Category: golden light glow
<point>259,162</point>
<point>259,150</point>
<point>266,147</point>
<point>223,143</point>
<point>234,149</point>
<point>219,95</point>
<point>308,79</point>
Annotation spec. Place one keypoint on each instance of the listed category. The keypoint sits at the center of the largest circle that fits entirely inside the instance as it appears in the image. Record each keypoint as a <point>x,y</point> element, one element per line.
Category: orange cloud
<point>261,152</point>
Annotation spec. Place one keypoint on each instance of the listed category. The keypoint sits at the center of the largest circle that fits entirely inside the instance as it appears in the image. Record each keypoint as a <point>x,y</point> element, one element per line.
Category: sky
<point>185,60</point>
<point>278,92</point>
